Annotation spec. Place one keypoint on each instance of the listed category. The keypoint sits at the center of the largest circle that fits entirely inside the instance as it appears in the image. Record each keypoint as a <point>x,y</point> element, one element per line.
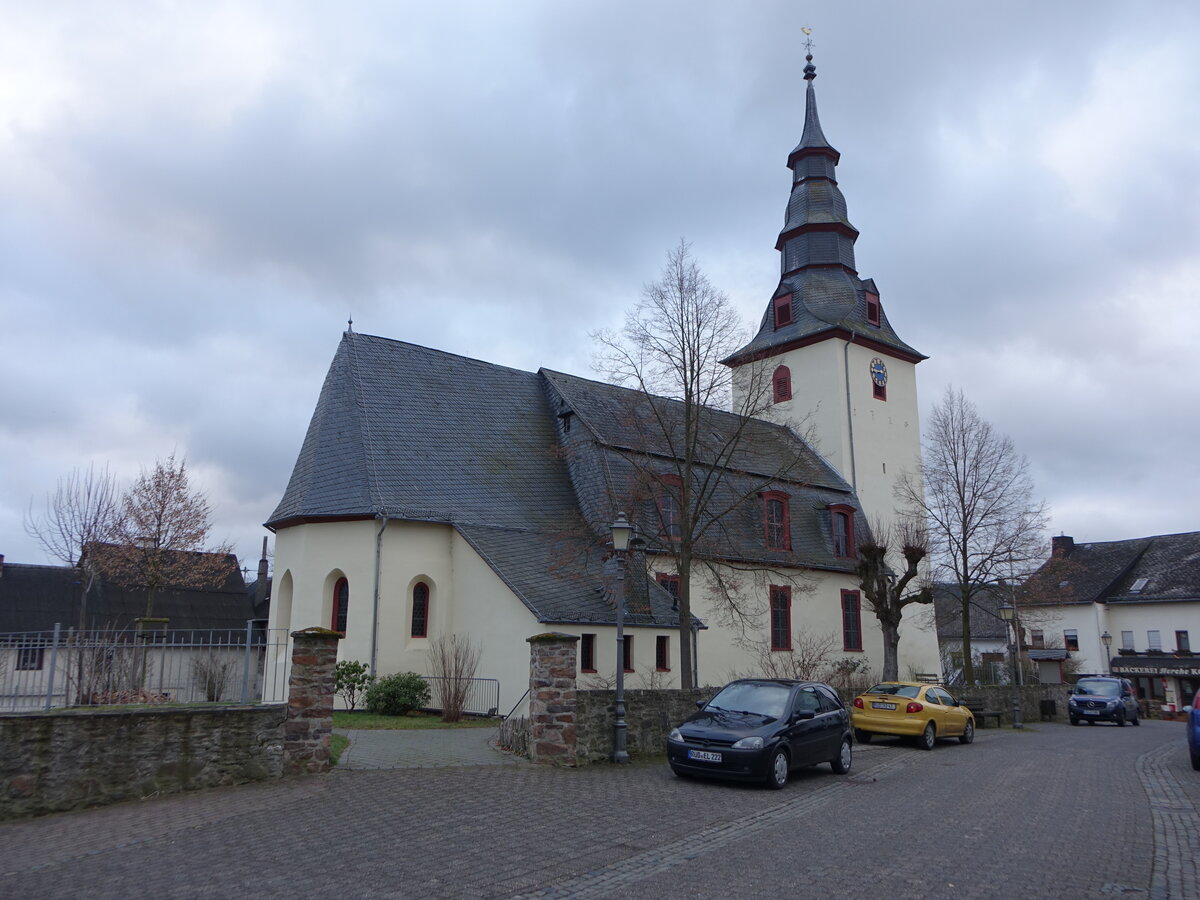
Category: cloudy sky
<point>195,197</point>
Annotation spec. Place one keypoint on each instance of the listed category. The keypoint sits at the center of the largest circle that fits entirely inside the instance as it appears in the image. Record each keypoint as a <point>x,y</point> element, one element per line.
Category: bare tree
<point>453,660</point>
<point>84,509</point>
<point>888,594</point>
<point>670,351</point>
<point>161,534</point>
<point>984,523</point>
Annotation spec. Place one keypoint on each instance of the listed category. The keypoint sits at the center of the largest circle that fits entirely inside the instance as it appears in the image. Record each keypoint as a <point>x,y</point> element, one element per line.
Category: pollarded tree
<point>161,535</point>
<point>887,592</point>
<point>670,351</point>
<point>984,523</point>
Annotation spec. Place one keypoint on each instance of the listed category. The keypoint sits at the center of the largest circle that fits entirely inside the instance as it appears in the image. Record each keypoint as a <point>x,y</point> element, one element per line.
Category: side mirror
<point>802,714</point>
<point>700,704</point>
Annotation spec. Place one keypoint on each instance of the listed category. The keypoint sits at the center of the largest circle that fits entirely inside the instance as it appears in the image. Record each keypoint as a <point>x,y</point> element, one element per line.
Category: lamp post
<point>1009,615</point>
<point>621,532</point>
<point>1106,638</point>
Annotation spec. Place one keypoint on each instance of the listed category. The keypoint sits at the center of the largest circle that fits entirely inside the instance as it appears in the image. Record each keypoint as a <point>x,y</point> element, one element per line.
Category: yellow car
<point>922,711</point>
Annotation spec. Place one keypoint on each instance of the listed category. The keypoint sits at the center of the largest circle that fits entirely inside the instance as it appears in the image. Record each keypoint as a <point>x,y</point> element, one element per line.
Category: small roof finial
<point>810,71</point>
<point>350,323</point>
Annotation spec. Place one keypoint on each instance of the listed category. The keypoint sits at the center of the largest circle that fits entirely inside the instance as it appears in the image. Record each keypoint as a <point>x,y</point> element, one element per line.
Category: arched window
<point>842,527</point>
<point>781,384</point>
<point>420,610</point>
<point>341,605</point>
<point>777,520</point>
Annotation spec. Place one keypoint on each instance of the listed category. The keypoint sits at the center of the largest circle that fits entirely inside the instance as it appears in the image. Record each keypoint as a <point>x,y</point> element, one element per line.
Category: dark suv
<point>1099,699</point>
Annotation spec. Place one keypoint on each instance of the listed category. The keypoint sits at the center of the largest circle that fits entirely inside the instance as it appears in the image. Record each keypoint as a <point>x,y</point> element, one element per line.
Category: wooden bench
<point>982,713</point>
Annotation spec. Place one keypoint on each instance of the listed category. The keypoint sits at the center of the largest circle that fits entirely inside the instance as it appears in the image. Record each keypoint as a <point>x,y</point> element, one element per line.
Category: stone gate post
<point>552,698</point>
<point>309,723</point>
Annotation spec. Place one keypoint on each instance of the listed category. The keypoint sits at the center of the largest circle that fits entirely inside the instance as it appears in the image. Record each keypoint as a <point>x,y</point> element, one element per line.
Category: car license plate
<point>704,756</point>
<point>1091,712</point>
<point>883,706</point>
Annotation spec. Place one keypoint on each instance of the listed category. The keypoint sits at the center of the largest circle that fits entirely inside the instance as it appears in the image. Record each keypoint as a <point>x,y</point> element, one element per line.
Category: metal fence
<point>104,667</point>
<point>481,696</point>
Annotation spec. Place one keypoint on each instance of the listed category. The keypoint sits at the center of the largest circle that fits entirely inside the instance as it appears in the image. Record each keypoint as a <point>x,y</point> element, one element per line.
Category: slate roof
<point>407,432</point>
<point>1108,572</point>
<point>986,623</point>
<point>35,598</point>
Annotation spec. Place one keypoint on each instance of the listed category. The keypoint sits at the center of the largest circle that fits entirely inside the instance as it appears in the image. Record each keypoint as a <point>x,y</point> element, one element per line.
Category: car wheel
<point>928,737</point>
<point>777,774</point>
<point>863,737</point>
<point>845,758</point>
<point>1074,720</point>
<point>968,735</point>
<point>1196,760</point>
<point>1120,718</point>
<point>1137,720</point>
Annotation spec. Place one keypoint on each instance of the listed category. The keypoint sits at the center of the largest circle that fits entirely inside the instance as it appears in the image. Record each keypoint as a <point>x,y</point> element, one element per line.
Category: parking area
<point>1055,811</point>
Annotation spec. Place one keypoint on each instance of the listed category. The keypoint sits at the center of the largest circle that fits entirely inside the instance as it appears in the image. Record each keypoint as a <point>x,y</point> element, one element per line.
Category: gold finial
<point>808,42</point>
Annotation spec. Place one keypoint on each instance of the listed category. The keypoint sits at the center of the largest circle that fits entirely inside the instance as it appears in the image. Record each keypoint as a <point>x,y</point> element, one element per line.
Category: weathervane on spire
<point>350,323</point>
<point>808,43</point>
<point>810,71</point>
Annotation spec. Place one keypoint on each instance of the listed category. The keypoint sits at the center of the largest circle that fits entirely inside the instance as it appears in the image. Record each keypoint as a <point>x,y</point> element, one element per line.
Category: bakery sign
<point>1186,668</point>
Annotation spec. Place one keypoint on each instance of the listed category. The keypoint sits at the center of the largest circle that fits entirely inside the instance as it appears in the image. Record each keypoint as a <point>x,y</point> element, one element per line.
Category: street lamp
<point>1107,639</point>
<point>621,532</point>
<point>1009,615</point>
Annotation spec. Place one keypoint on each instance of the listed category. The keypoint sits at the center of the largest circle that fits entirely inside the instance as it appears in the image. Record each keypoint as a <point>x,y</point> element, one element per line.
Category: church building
<point>438,495</point>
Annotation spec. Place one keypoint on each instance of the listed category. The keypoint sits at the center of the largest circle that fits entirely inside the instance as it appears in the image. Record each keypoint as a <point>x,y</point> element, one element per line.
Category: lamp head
<point>621,533</point>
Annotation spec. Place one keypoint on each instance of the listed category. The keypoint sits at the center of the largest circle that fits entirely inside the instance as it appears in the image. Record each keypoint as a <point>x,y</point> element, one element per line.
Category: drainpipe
<point>375,605</point>
<point>849,408</point>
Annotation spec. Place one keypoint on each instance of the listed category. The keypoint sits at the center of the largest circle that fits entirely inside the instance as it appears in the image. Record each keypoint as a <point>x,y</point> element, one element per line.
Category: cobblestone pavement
<point>422,749</point>
<point>1053,812</point>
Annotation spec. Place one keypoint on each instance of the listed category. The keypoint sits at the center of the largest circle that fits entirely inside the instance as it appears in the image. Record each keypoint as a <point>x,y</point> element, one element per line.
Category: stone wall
<point>53,761</point>
<point>552,698</point>
<point>649,717</point>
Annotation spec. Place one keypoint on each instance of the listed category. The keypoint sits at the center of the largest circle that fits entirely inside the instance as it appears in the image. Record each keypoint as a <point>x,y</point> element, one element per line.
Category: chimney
<point>1061,546</point>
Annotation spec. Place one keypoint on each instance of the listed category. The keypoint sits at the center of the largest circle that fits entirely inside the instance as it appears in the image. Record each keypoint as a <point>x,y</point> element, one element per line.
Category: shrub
<point>398,695</point>
<point>350,681</point>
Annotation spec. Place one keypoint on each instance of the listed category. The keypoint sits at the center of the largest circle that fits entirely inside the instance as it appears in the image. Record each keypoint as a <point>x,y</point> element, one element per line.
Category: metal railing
<point>148,664</point>
<point>482,695</point>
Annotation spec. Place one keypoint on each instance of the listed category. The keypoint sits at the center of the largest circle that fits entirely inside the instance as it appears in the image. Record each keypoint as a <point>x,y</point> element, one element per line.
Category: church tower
<point>826,360</point>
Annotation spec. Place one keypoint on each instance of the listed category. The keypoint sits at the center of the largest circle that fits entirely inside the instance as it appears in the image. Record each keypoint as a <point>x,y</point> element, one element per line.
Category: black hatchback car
<point>760,729</point>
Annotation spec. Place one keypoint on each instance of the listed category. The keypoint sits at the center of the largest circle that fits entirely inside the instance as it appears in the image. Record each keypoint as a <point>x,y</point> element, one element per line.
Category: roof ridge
<point>448,353</point>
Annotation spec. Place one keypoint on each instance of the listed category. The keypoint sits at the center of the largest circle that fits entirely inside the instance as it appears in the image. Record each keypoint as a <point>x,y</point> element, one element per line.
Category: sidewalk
<point>423,749</point>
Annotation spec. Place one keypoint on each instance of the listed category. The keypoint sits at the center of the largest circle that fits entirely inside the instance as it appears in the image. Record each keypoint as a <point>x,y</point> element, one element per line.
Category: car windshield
<point>1097,688</point>
<point>900,690</point>
<point>759,699</point>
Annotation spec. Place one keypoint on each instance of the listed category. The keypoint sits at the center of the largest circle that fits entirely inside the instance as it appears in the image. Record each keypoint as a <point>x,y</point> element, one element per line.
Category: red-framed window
<point>781,617</point>
<point>872,308</point>
<point>781,384</point>
<point>669,490</point>
<point>420,610</point>
<point>341,606</point>
<point>851,621</point>
<point>841,522</point>
<point>783,310</point>
<point>670,584</point>
<point>587,653</point>
<point>662,653</point>
<point>879,391</point>
<point>628,652</point>
<point>777,520</point>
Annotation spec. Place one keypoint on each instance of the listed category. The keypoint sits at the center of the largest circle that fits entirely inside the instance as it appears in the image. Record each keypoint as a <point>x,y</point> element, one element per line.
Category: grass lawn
<point>337,743</point>
<point>360,720</point>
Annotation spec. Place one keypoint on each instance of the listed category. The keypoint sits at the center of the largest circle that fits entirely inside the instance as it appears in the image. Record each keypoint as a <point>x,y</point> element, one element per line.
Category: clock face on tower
<point>878,372</point>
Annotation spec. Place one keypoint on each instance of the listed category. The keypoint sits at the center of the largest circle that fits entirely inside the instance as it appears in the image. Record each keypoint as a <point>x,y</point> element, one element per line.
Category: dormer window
<point>668,506</point>
<point>777,520</point>
<point>781,384</point>
<point>872,308</point>
<point>841,521</point>
<point>783,310</point>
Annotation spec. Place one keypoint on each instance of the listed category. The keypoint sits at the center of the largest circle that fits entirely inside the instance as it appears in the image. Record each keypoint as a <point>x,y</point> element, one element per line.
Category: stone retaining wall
<point>649,716</point>
<point>53,761</point>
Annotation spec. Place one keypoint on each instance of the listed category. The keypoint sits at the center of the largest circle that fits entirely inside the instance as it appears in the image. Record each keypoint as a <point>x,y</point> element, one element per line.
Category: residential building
<point>1142,593</point>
